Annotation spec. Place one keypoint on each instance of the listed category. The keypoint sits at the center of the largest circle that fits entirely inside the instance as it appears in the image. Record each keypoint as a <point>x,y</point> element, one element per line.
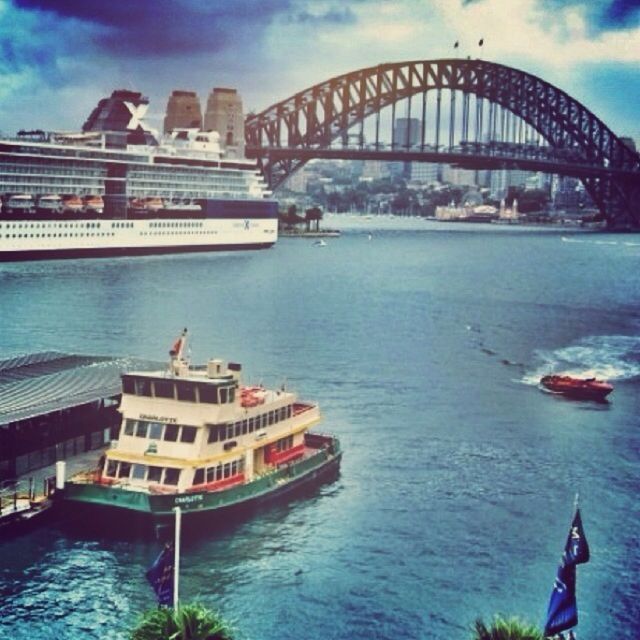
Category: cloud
<point>164,27</point>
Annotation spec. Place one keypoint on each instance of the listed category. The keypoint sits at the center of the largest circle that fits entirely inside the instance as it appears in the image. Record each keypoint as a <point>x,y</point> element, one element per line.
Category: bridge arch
<point>314,118</point>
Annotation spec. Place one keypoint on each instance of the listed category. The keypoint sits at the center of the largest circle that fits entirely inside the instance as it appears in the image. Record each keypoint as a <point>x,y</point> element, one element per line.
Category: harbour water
<point>423,344</point>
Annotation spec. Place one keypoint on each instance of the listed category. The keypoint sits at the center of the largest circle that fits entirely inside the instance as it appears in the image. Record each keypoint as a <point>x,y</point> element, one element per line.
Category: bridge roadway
<point>466,159</point>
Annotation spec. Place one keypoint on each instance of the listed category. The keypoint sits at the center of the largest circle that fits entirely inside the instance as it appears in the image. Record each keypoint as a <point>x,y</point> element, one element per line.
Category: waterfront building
<point>183,111</point>
<point>224,114</point>
<point>54,406</point>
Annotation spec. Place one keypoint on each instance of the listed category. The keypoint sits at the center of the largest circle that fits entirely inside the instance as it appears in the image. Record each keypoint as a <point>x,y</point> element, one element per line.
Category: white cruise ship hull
<point>67,238</point>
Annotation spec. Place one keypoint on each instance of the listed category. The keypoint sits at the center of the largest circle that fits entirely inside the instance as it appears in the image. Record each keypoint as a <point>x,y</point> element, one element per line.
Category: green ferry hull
<point>160,507</point>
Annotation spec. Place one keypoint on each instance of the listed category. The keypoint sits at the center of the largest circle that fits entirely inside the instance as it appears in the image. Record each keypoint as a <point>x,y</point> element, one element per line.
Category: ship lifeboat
<point>581,388</point>
<point>153,204</point>
<point>93,204</point>
<point>72,203</point>
<point>51,203</point>
<point>19,203</point>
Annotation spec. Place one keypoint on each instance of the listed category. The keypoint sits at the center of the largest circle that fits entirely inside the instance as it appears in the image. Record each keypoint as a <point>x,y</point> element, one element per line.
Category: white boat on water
<point>198,438</point>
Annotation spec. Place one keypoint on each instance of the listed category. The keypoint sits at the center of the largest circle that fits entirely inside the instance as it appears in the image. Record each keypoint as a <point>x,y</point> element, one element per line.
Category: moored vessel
<point>198,438</point>
<point>581,388</point>
<point>121,188</point>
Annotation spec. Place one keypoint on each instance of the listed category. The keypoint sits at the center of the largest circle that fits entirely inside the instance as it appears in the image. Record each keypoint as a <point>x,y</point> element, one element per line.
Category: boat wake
<point>600,242</point>
<point>602,357</point>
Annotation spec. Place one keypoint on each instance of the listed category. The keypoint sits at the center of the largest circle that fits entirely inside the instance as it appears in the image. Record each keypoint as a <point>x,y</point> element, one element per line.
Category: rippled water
<point>423,346</point>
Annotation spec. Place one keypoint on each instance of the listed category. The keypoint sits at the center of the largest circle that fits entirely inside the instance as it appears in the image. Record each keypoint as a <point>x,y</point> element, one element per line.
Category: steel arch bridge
<point>499,111</point>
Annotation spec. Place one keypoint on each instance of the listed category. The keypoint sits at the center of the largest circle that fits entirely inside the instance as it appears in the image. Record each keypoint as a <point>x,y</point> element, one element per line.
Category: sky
<point>59,57</point>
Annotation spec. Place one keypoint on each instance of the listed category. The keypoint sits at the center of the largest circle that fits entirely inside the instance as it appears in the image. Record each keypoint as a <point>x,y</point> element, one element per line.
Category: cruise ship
<point>196,437</point>
<point>119,188</point>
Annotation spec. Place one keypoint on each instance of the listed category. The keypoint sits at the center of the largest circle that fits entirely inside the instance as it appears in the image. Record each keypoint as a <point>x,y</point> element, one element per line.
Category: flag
<point>481,42</point>
<point>160,576</point>
<point>176,347</point>
<point>455,46</point>
<point>562,612</point>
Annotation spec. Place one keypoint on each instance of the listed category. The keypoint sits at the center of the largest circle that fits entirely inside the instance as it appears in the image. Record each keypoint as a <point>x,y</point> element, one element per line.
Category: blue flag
<point>562,613</point>
<point>160,576</point>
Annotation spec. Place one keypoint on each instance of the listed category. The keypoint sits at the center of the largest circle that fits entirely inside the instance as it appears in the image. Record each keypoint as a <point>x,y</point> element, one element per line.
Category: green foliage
<point>506,629</point>
<point>188,622</point>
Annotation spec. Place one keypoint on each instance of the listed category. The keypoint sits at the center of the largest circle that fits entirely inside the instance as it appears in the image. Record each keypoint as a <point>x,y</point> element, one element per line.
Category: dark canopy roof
<point>40,383</point>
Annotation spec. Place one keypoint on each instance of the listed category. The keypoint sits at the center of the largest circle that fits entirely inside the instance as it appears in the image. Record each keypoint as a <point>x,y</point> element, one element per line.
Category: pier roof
<point>40,383</point>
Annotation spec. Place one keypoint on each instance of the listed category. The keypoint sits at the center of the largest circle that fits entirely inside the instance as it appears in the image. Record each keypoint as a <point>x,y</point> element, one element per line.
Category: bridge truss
<point>472,113</point>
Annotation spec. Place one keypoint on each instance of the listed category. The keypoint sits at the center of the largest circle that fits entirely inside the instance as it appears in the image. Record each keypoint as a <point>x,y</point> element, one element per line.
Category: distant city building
<point>502,179</point>
<point>224,115</point>
<point>183,111</point>
<point>375,169</point>
<point>407,132</point>
<point>425,172</point>
<point>458,176</point>
<point>298,181</point>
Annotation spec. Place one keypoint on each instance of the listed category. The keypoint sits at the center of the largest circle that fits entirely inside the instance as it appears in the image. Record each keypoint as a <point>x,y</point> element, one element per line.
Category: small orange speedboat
<point>582,388</point>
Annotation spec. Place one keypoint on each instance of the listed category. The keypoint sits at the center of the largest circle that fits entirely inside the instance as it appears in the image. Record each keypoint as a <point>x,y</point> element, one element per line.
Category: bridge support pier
<point>618,200</point>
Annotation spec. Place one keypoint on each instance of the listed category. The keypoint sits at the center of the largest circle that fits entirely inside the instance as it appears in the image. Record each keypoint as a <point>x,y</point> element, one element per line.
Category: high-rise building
<point>183,111</point>
<point>224,115</point>
<point>407,132</point>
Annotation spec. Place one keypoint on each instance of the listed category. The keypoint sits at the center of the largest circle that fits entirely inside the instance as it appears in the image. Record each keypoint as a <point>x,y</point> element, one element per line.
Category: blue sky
<point>59,57</point>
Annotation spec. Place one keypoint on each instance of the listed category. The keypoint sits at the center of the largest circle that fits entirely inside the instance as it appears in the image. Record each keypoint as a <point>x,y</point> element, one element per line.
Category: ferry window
<point>232,394</point>
<point>289,411</point>
<point>213,434</point>
<point>154,475</point>
<point>245,427</point>
<point>171,476</point>
<point>129,426</point>
<point>211,474</point>
<point>125,470</point>
<point>198,477</point>
<point>227,469</point>
<point>141,430</point>
<point>138,471</point>
<point>188,434</point>
<point>171,432</point>
<point>250,425</point>
<point>143,387</point>
<point>112,468</point>
<point>223,395</point>
<point>163,389</point>
<point>283,413</point>
<point>186,391</point>
<point>208,393</point>
<point>238,429</point>
<point>230,431</point>
<point>155,430</point>
<point>234,467</point>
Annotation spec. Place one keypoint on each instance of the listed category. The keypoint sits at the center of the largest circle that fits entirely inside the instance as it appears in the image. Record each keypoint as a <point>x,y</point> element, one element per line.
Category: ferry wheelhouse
<point>197,438</point>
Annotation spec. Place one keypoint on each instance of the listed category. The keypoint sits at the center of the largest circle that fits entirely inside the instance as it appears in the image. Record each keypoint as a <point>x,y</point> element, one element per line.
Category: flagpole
<point>176,559</point>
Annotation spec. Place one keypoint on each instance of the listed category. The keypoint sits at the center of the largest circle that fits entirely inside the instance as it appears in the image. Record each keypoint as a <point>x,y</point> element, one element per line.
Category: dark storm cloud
<point>603,14</point>
<point>622,13</point>
<point>165,27</point>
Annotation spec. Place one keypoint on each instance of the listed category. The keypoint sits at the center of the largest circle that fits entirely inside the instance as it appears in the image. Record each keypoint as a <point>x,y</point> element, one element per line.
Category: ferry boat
<point>580,388</point>
<point>120,188</point>
<point>195,437</point>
